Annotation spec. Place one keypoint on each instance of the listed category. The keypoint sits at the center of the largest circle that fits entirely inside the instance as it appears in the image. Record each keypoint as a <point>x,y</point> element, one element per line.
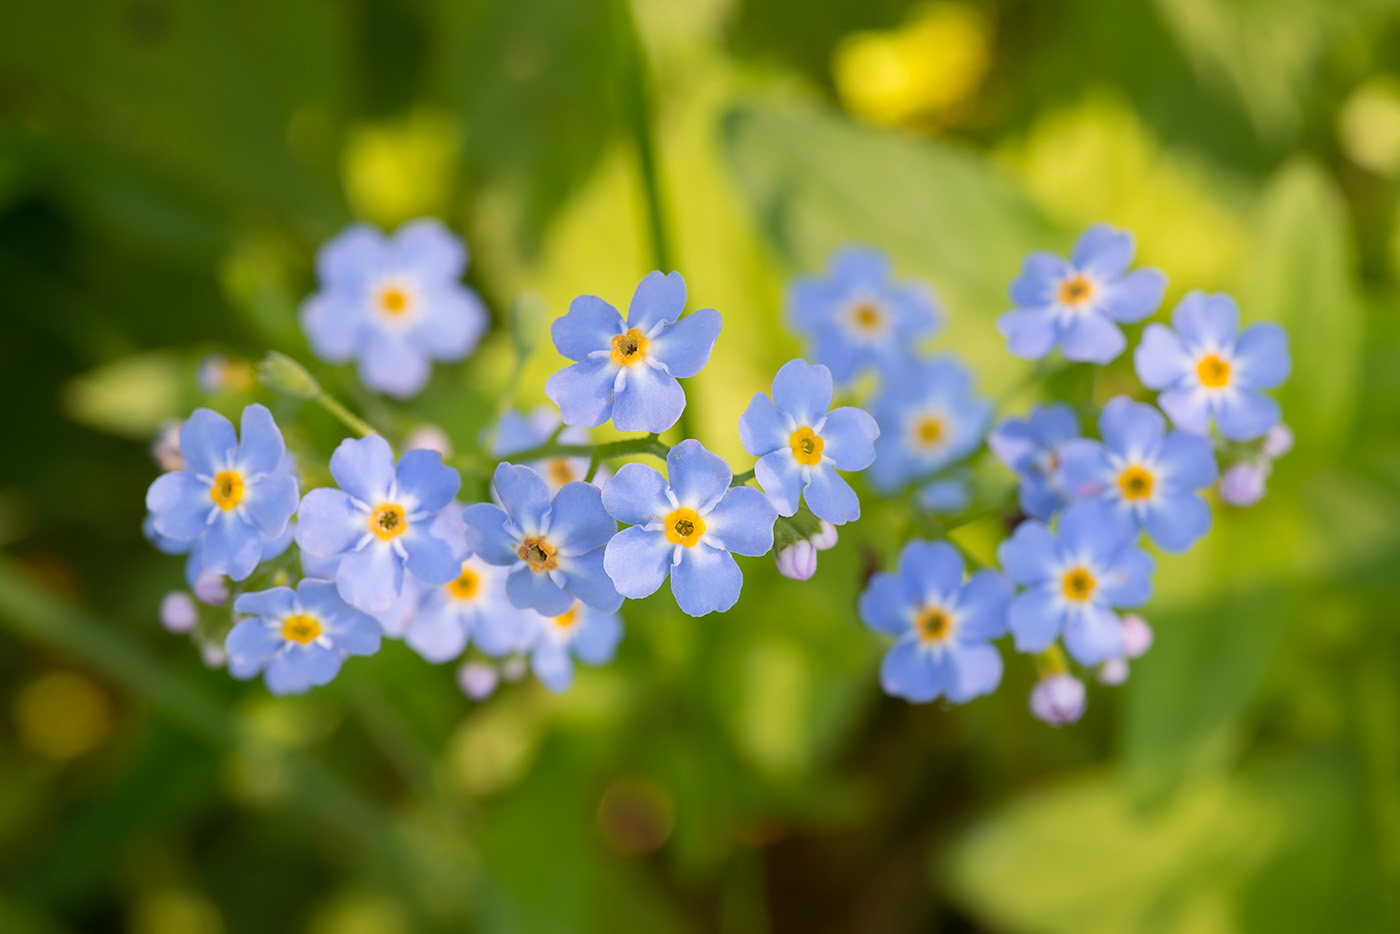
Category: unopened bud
<point>797,562</point>
<point>1058,699</point>
<point>210,589</point>
<point>1112,672</point>
<point>478,680</point>
<point>178,612</point>
<point>213,655</point>
<point>165,447</point>
<point>514,668</point>
<point>429,438</point>
<point>281,373</point>
<point>826,538</point>
<point>1242,484</point>
<point>1278,441</point>
<point>1137,636</point>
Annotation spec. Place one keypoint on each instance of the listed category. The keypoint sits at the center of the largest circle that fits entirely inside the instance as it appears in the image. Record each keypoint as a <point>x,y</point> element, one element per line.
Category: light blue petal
<point>1092,338</point>
<point>698,477</point>
<point>253,641</point>
<point>1092,530</point>
<point>529,590</point>
<point>597,636</point>
<point>301,667</point>
<point>260,449</point>
<point>230,546</point>
<point>982,606</point>
<point>586,577</point>
<point>334,325</point>
<point>578,522</point>
<point>1244,416</point>
<point>707,580</point>
<point>1084,468</point>
<point>437,633</point>
<point>350,260</point>
<point>780,475</point>
<point>430,559</point>
<point>976,671</point>
<point>1133,297</point>
<point>180,506</point>
<point>1160,359</point>
<point>1093,634</point>
<point>803,391</point>
<point>553,667</point>
<point>1030,333</point>
<point>836,351</point>
<point>1186,461</point>
<point>425,482</point>
<point>1102,251</point>
<point>649,400</point>
<point>1177,522</point>
<point>636,495</point>
<point>1207,322</point>
<point>831,498</point>
<point>1053,424</point>
<point>502,629</point>
<point>583,392</point>
<point>1038,499</point>
<point>273,604</point>
<point>887,604</point>
<point>370,579</point>
<point>426,247</point>
<point>1129,582</point>
<point>270,503</point>
<point>207,442</point>
<point>1261,359</point>
<point>1188,409</point>
<point>659,299</point>
<point>915,309</point>
<point>1035,619</point>
<point>391,364</point>
<point>364,468</point>
<point>849,438</point>
<point>1039,282</point>
<point>487,535</point>
<point>638,561</point>
<point>448,323</point>
<point>762,429</point>
<point>685,347</point>
<point>933,569</point>
<point>742,522</point>
<point>590,325</point>
<point>859,266</point>
<point>1013,442</point>
<point>910,671</point>
<point>946,496</point>
<point>329,522</point>
<point>1132,429</point>
<point>1030,554</point>
<point>525,497</point>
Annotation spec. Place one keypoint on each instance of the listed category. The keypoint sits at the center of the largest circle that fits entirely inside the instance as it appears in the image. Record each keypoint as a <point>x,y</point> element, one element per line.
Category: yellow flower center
<point>393,301</point>
<point>538,554</point>
<point>300,629</point>
<point>1214,372</point>
<point>807,446</point>
<point>466,584</point>
<point>630,348</point>
<point>568,619</point>
<point>684,527</point>
<point>561,471</point>
<point>1136,483</point>
<point>1079,585</point>
<point>1076,291</point>
<point>867,317</point>
<point>933,624</point>
<point>928,430</point>
<point>227,490</point>
<point>387,521</point>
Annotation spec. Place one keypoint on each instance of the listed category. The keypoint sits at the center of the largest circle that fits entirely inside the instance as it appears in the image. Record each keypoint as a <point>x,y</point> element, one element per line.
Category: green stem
<point>351,420</point>
<point>635,88</point>
<point>648,444</point>
<point>741,478</point>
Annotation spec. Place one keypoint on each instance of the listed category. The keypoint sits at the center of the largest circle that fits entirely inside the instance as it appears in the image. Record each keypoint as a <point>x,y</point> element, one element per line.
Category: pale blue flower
<point>297,638</point>
<point>930,418</point>
<point>1030,447</point>
<point>580,632</point>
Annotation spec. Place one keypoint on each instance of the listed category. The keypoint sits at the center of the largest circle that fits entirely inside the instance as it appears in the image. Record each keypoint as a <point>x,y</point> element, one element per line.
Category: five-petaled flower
<point>943,625</point>
<point>1030,446</point>
<point>627,371</point>
<point>579,632</point>
<point>1147,473</point>
<point>686,528</point>
<point>232,499</point>
<point>552,545</point>
<point>800,444</point>
<point>1074,577</point>
<point>857,318</point>
<point>380,521</point>
<point>1207,369</point>
<point>393,304</point>
<point>298,638</point>
<point>929,418</point>
<point>1077,304</point>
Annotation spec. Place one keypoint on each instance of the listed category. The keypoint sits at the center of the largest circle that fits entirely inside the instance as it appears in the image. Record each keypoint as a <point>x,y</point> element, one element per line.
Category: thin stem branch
<point>741,478</point>
<point>351,420</point>
<point>648,444</point>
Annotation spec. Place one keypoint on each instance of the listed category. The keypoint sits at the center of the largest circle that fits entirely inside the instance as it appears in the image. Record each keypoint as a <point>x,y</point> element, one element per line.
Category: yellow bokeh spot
<point>1136,483</point>
<point>1079,585</point>
<point>1368,125</point>
<point>807,446</point>
<point>387,521</point>
<point>465,586</point>
<point>629,349</point>
<point>227,490</point>
<point>300,628</point>
<point>1213,371</point>
<point>684,527</point>
<point>61,715</point>
<point>403,168</point>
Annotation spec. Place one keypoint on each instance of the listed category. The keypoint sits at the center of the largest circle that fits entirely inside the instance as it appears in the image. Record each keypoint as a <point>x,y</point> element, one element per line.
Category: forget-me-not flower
<point>1074,578</point>
<point>857,318</point>
<point>579,632</point>
<point>627,371</point>
<point>1207,369</point>
<point>380,520</point>
<point>929,418</point>
<point>800,444</point>
<point>298,638</point>
<point>231,497</point>
<point>943,625</point>
<point>515,432</point>
<point>1077,305</point>
<point>553,545</point>
<point>688,528</point>
<point>1030,446</point>
<point>393,304</point>
<point>1145,472</point>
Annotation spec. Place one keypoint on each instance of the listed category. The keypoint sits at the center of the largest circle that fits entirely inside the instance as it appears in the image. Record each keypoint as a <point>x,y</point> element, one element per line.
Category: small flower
<point>797,561</point>
<point>515,433</point>
<point>856,318</point>
<point>552,545</point>
<point>231,497</point>
<point>478,680</point>
<point>1030,446</point>
<point>1209,370</point>
<point>393,304</point>
<point>944,627</point>
<point>1058,699</point>
<point>1243,484</point>
<point>1074,577</point>
<point>1147,473</point>
<point>472,607</point>
<point>380,521</point>
<point>298,638</point>
<point>178,612</point>
<point>628,371</point>
<point>929,419</point>
<point>579,632</point>
<point>689,528</point>
<point>800,444</point>
<point>1076,305</point>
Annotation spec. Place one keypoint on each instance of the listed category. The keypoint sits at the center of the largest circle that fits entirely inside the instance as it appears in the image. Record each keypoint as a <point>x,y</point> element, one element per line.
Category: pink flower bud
<point>210,589</point>
<point>1243,484</point>
<point>797,562</point>
<point>514,668</point>
<point>1137,636</point>
<point>1278,441</point>
<point>429,438</point>
<point>1112,672</point>
<point>213,655</point>
<point>178,612</point>
<point>478,680</point>
<point>826,538</point>
<point>1058,699</point>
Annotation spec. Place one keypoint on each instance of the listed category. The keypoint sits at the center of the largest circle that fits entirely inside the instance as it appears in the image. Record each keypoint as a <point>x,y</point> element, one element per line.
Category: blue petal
<point>910,671</point>
<point>352,258</point>
<point>859,266</point>
<point>437,633</point>
<point>207,442</point>
<point>636,495</point>
<point>946,496</point>
<point>1084,468</point>
<point>838,353</point>
<point>253,640</point>
<point>982,606</point>
<point>553,667</point>
<point>1092,338</point>
<point>849,438</point>
<point>1038,498</point>
<point>1244,416</point>
<point>350,630</point>
<point>578,522</point>
<point>638,561</point>
<point>933,569</point>
<point>1029,333</point>
<point>1035,618</point>
<point>1177,522</point>
<point>530,590</point>
<point>976,671</point>
<point>1129,582</point>
<point>270,503</point>
<point>300,667</point>
<point>364,468</point>
<point>915,310</point>
<point>334,325</point>
<point>685,347</point>
<point>597,636</point>
<point>1039,281</point>
<point>1103,251</point>
<point>180,505</point>
<point>430,559</point>
<point>1131,429</point>
<point>370,579</point>
<point>887,604</point>
<point>1186,461</point>
<point>698,477</point>
<point>1030,554</point>
<point>1206,322</point>
<point>1013,443</point>
<point>1092,530</point>
<point>391,364</point>
<point>1160,359</point>
<point>659,299</point>
<point>1093,634</point>
<point>1189,409</point>
<point>587,579</point>
<point>1053,424</point>
<point>831,498</point>
<point>230,546</point>
<point>426,247</point>
<point>1133,297</point>
<point>762,429</point>
<point>488,535</point>
<point>583,392</point>
<point>449,322</point>
<point>273,604</point>
<point>803,391</point>
<point>425,482</point>
<point>780,475</point>
<point>329,522</point>
<point>590,325</point>
<point>742,522</point>
<point>524,495</point>
<point>1261,357</point>
<point>649,400</point>
<point>707,580</point>
<point>261,448</point>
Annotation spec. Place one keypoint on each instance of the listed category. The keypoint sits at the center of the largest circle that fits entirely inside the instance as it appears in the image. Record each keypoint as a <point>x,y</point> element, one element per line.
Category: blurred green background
<point>167,171</point>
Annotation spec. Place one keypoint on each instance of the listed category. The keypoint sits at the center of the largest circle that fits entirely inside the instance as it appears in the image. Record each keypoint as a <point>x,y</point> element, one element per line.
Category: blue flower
<point>472,607</point>
<point>1074,577</point>
<point>943,626</point>
<point>515,432</point>
<point>687,528</point>
<point>1030,446</point>
<point>1209,370</point>
<point>628,371</point>
<point>231,497</point>
<point>1146,473</point>
<point>552,545</point>
<point>1075,304</point>
<point>380,521</point>
<point>393,304</point>
<point>856,318</point>
<point>579,632</point>
<point>799,444</point>
<point>298,638</point>
<point>929,419</point>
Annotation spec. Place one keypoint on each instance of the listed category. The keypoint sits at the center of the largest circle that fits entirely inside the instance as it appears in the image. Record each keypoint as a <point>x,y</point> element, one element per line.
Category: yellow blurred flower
<point>1369,125</point>
<point>922,72</point>
<point>62,715</point>
<point>400,169</point>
